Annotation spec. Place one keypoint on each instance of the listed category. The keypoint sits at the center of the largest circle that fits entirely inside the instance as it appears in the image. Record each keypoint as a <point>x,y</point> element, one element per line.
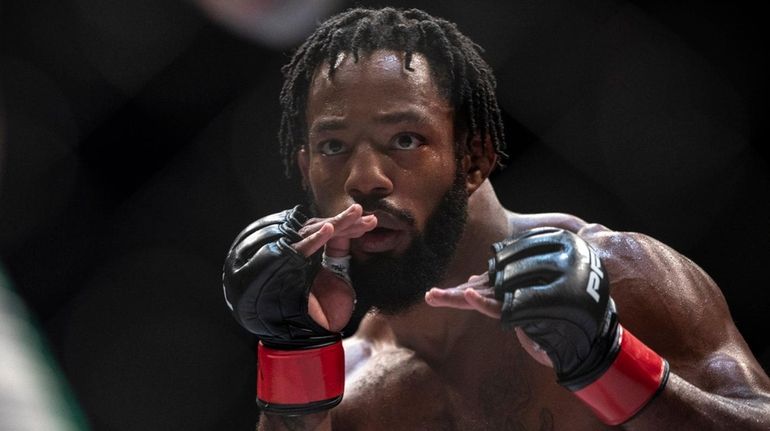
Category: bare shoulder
<point>655,287</point>
<point>521,222</point>
<point>673,305</point>
<point>647,277</point>
<point>670,303</point>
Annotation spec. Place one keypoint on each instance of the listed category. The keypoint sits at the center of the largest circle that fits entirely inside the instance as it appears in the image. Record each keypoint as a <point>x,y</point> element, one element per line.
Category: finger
<point>340,221</point>
<point>316,312</point>
<point>339,245</point>
<point>478,282</point>
<point>358,227</point>
<point>486,305</point>
<point>452,298</point>
<point>331,301</point>
<point>312,226</point>
<point>315,241</point>
<point>346,218</point>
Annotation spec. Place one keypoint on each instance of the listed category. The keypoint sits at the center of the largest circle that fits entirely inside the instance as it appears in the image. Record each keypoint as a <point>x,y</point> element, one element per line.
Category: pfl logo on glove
<point>596,275</point>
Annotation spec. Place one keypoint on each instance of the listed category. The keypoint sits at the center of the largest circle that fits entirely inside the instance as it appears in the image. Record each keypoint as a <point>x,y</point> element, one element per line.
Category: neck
<point>434,333</point>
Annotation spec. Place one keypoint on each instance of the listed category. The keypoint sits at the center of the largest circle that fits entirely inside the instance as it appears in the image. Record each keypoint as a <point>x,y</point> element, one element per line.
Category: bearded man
<point>466,315</point>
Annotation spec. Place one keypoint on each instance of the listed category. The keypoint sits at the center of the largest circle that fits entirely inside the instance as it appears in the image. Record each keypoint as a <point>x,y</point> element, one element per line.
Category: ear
<point>479,161</point>
<point>303,162</point>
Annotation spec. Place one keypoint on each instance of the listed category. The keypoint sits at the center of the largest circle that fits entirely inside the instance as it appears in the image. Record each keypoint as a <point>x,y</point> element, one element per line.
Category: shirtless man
<point>478,318</point>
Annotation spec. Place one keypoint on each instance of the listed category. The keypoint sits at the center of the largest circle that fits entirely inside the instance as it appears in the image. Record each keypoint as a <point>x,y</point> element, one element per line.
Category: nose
<point>368,176</point>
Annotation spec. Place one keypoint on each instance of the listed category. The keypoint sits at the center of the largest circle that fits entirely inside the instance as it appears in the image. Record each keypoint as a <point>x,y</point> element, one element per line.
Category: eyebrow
<point>406,116</point>
<point>327,125</point>
<point>334,123</point>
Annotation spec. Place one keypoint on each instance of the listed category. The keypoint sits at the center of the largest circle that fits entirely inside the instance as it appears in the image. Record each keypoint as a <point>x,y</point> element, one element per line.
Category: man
<point>481,318</point>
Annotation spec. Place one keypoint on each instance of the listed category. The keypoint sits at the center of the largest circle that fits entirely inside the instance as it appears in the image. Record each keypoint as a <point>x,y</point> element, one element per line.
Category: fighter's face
<point>381,136</point>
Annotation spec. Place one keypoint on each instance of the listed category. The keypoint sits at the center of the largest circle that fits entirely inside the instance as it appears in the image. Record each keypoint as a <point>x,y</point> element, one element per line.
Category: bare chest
<point>395,390</point>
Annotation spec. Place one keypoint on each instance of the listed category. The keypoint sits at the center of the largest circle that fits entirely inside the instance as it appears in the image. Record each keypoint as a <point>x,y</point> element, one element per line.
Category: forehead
<point>377,81</point>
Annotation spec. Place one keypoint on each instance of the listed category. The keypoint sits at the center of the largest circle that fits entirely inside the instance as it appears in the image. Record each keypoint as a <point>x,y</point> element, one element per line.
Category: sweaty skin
<point>446,363</point>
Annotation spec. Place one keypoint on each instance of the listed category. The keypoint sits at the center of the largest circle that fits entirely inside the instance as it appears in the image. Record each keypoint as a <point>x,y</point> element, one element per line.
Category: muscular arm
<point>674,307</point>
<point>670,304</point>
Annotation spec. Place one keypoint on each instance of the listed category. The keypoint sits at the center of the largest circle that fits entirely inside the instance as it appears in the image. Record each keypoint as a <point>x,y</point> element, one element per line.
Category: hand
<point>272,266</point>
<point>332,298</point>
<point>477,294</point>
<point>552,287</point>
<point>276,287</point>
<point>334,233</point>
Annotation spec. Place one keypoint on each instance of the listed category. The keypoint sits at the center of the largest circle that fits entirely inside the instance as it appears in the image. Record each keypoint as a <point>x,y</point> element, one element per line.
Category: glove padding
<point>267,282</point>
<point>553,286</point>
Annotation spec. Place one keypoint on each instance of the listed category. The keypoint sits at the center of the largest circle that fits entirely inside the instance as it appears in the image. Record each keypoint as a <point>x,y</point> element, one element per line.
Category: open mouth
<point>390,234</point>
<point>378,240</point>
<point>382,231</point>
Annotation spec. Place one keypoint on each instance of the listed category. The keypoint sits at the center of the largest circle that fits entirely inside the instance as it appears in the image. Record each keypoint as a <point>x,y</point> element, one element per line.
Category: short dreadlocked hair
<point>462,76</point>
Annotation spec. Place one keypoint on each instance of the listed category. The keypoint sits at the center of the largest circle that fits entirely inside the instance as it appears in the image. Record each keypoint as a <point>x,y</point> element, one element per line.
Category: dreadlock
<point>455,61</point>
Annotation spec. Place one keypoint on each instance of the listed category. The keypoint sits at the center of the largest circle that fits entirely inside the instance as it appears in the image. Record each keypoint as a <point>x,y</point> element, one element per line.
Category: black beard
<point>392,284</point>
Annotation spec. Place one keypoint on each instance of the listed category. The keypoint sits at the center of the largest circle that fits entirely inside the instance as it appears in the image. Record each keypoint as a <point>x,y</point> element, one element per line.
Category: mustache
<point>372,204</point>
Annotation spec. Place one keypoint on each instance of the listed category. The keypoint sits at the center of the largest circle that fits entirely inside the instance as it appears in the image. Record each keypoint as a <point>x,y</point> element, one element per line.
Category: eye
<point>331,147</point>
<point>408,141</point>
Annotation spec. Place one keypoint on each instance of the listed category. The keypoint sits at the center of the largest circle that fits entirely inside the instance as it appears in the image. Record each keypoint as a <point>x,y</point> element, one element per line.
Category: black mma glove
<point>552,284</point>
<point>267,285</point>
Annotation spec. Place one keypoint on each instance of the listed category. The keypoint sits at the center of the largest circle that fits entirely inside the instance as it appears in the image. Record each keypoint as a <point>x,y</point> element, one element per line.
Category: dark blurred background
<point>139,138</point>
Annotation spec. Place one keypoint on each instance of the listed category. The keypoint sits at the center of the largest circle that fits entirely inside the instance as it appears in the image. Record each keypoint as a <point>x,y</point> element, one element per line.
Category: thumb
<point>332,298</point>
<point>533,348</point>
<point>331,301</point>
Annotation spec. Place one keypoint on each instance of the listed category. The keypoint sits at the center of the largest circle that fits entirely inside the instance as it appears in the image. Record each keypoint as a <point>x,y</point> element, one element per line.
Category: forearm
<point>682,406</point>
<point>313,422</point>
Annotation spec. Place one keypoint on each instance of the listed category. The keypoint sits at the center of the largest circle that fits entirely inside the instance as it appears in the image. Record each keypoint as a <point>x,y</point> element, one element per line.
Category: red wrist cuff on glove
<point>636,375</point>
<point>300,381</point>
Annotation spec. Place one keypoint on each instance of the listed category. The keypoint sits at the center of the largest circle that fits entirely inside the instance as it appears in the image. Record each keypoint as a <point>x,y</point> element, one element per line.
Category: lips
<point>379,240</point>
<point>389,234</point>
